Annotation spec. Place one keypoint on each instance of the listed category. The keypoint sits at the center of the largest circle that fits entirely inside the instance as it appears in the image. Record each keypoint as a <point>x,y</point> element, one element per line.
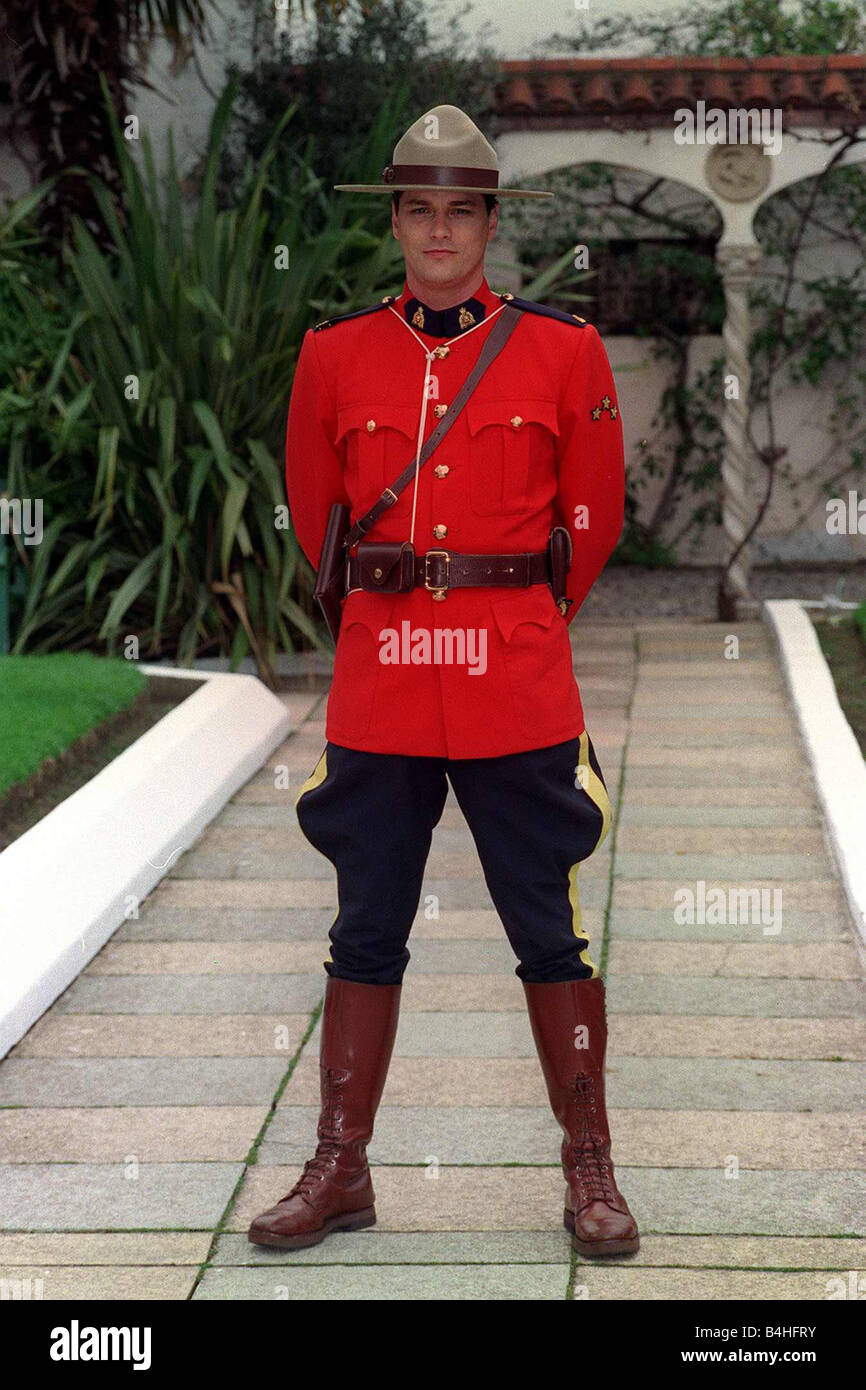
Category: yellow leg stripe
<point>576,918</point>
<point>593,785</point>
<point>319,773</point>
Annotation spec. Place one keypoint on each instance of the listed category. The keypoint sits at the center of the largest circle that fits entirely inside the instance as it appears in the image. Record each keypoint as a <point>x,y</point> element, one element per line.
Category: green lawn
<point>47,702</point>
<point>843,643</point>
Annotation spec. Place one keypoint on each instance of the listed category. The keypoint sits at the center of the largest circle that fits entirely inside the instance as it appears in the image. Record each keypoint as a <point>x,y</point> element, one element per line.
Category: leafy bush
<point>176,368</point>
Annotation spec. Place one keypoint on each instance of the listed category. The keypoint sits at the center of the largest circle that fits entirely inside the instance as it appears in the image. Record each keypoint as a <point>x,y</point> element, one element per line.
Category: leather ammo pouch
<point>389,565</point>
<point>395,559</point>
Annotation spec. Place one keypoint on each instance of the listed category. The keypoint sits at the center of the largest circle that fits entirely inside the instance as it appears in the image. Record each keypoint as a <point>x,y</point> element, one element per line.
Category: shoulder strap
<point>495,342</point>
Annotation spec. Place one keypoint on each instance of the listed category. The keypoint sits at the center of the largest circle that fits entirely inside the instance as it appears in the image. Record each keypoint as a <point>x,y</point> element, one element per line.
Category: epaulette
<point>341,318</point>
<point>531,307</point>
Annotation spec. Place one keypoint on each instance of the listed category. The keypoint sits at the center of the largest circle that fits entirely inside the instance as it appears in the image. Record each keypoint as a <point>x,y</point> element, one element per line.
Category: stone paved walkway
<point>171,1092</point>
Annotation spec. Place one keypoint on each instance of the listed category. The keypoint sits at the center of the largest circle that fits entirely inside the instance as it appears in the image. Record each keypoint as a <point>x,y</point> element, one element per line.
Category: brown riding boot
<point>595,1210</point>
<point>335,1192</point>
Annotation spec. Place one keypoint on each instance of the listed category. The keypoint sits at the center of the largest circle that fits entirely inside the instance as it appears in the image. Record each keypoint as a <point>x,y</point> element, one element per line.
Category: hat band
<point>448,175</point>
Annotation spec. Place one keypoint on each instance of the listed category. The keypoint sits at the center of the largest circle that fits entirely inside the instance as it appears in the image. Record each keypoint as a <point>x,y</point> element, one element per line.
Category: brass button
<point>435,593</point>
<point>440,470</point>
<point>516,421</point>
<point>440,532</point>
<point>439,411</point>
<point>377,572</point>
<point>506,295</point>
<point>371,425</point>
<point>441,351</point>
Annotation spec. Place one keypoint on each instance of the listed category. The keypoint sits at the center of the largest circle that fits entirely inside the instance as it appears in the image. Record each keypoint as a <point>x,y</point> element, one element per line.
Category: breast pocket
<point>380,442</point>
<point>513,446</point>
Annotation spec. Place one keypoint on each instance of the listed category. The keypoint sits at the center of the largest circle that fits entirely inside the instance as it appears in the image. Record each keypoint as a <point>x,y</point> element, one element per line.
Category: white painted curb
<point>67,883</point>
<point>834,753</point>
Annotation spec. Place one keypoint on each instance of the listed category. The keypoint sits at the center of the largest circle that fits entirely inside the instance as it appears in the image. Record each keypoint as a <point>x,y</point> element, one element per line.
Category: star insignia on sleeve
<point>605,404</point>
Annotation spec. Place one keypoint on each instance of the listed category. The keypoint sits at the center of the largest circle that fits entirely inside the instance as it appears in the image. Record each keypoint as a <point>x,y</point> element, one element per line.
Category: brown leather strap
<point>493,345</point>
<point>449,175</point>
<point>451,569</point>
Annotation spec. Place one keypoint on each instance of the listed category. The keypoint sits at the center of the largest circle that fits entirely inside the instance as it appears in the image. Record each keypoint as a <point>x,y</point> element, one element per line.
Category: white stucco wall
<point>800,415</point>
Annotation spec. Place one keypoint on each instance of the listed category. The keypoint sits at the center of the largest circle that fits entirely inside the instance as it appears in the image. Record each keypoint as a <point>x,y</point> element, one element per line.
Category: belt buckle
<point>438,591</point>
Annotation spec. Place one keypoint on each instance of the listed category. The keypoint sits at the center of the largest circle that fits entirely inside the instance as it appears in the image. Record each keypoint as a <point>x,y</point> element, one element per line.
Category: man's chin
<point>441,270</point>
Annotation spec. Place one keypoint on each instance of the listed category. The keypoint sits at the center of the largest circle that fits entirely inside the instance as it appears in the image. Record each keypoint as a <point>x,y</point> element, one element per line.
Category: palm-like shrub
<point>180,357</point>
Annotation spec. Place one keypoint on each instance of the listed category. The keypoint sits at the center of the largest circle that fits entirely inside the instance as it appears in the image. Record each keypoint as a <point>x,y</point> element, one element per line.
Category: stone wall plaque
<point>737,172</point>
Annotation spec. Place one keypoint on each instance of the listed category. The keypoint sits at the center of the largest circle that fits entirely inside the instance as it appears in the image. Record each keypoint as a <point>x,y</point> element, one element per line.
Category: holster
<point>331,575</point>
<point>559,550</point>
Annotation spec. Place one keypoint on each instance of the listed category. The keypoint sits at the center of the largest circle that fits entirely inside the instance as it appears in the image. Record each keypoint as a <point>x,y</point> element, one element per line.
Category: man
<point>538,444</point>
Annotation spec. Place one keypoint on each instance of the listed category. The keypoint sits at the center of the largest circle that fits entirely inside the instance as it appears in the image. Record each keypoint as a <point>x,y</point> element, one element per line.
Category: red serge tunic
<point>487,670</point>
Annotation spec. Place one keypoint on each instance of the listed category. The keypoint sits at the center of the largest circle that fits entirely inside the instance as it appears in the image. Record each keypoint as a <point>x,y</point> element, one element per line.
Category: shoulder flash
<point>358,313</point>
<point>531,307</point>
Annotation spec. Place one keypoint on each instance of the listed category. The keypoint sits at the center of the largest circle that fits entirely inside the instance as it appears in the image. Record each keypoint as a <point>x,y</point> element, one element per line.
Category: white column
<point>737,265</point>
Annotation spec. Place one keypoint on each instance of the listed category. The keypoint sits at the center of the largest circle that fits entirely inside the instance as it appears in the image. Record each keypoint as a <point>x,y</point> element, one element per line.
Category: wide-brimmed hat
<point>443,149</point>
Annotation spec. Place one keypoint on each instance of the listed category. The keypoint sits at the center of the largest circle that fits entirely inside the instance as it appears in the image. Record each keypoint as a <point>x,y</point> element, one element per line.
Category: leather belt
<point>441,570</point>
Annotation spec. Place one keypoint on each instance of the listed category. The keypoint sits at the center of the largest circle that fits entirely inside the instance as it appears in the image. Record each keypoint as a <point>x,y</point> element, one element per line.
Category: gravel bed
<point>635,591</point>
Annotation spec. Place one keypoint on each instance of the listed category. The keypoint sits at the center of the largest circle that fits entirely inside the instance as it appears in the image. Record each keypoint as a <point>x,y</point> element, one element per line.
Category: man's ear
<point>394,223</point>
<point>493,223</point>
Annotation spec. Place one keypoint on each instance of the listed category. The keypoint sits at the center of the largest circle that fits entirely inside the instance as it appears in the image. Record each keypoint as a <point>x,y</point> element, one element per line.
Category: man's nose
<point>440,224</point>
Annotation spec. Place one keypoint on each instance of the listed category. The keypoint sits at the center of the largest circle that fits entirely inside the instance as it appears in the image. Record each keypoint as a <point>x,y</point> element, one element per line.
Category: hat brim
<point>439,188</point>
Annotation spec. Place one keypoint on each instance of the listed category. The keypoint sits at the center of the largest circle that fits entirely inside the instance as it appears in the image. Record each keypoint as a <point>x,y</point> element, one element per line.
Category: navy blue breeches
<point>533,816</point>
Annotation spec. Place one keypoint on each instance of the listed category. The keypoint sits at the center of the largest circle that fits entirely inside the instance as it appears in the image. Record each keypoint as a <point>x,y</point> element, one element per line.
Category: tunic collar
<point>451,322</point>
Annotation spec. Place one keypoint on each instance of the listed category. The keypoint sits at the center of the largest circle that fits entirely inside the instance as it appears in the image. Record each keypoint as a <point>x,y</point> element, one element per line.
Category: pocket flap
<point>373,611</point>
<point>514,412</point>
<point>535,604</point>
<point>372,418</point>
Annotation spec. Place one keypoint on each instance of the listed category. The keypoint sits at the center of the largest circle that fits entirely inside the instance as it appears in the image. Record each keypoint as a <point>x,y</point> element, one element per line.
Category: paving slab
<point>736,838</point>
<point>742,998</point>
<point>177,923</point>
<point>115,1196</point>
<point>376,1246</point>
<point>158,1035</point>
<point>388,1282</point>
<point>193,994</point>
<point>675,1202</point>
<point>676,1083</point>
<point>744,869</point>
<point>91,1283</point>
<point>155,1134</point>
<point>653,924</point>
<point>75,1081</point>
<point>651,788</point>
<point>707,1286</point>
<point>823,895</point>
<point>722,778</point>
<point>766,958</point>
<point>498,1134</point>
<point>52,1248</point>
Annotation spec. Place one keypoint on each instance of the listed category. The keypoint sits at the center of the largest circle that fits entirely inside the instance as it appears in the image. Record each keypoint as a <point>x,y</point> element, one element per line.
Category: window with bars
<point>642,281</point>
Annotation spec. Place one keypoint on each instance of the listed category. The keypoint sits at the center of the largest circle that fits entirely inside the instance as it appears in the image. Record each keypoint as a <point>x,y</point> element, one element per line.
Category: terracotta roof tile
<point>810,89</point>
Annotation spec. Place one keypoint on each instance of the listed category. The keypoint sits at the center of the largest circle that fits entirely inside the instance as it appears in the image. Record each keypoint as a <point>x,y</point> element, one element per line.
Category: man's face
<point>443,235</point>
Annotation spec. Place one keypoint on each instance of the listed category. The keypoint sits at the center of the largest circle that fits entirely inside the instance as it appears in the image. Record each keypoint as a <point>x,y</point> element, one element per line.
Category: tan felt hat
<point>443,149</point>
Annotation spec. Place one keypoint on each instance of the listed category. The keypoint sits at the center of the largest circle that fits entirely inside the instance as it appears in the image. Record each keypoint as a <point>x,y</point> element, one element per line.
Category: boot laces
<point>330,1136</point>
<point>589,1154</point>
